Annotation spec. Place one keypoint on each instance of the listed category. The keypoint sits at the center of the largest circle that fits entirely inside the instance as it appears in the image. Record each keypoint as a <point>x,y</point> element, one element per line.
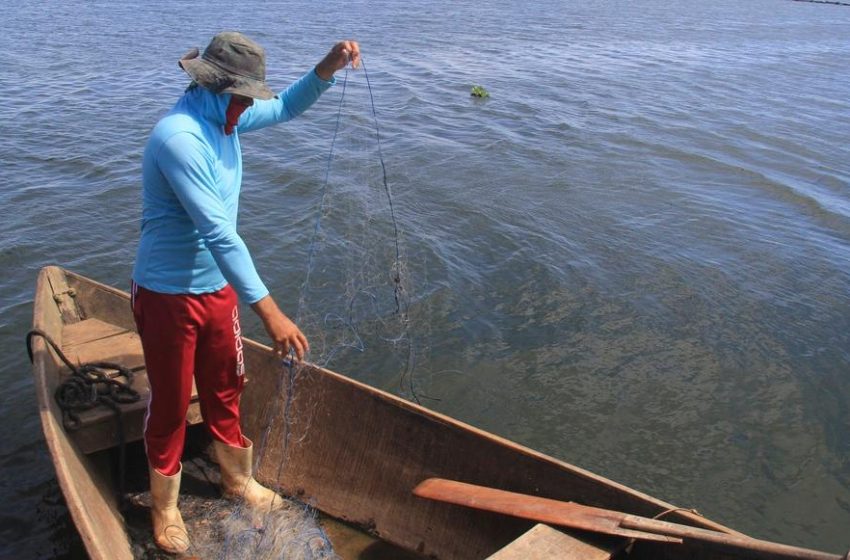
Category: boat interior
<point>346,452</point>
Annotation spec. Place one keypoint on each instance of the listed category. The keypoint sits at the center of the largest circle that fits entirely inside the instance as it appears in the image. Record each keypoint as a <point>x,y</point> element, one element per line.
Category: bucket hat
<point>231,63</point>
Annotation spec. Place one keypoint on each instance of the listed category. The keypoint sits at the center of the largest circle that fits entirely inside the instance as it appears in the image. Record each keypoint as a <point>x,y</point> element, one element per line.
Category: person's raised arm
<point>299,96</point>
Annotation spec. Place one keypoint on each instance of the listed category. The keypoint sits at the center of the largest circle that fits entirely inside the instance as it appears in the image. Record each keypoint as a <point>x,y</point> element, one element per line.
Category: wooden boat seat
<point>543,542</point>
<point>95,340</point>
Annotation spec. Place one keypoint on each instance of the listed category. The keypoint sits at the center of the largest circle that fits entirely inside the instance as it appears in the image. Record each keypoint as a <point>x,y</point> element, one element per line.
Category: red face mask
<point>235,109</point>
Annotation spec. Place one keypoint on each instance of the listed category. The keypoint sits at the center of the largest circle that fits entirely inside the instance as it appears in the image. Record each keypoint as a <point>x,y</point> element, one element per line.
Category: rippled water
<point>634,256</point>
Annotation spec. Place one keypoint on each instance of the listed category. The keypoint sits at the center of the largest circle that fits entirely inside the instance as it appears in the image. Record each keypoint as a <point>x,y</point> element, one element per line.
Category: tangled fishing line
<point>363,298</point>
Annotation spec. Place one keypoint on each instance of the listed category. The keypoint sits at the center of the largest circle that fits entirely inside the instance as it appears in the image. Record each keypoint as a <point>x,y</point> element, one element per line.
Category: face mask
<point>234,111</point>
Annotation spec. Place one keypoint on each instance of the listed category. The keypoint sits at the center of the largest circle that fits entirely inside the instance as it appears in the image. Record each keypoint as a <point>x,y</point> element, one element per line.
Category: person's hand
<point>284,333</point>
<point>340,55</point>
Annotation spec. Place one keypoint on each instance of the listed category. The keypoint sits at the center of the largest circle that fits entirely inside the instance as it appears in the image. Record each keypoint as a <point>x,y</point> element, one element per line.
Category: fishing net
<point>356,292</point>
<point>222,529</point>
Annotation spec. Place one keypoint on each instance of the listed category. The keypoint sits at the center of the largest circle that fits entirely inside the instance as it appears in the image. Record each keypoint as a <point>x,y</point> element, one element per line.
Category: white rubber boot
<point>169,532</point>
<point>236,478</point>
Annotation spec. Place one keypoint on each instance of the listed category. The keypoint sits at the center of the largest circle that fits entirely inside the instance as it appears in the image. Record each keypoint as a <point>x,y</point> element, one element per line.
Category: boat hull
<point>352,451</point>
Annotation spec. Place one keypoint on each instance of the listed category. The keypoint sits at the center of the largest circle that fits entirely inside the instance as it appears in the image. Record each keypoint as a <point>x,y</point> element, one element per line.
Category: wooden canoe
<point>354,452</point>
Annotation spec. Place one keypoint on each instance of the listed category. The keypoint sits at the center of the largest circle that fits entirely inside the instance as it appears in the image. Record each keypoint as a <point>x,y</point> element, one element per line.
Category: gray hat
<point>231,63</point>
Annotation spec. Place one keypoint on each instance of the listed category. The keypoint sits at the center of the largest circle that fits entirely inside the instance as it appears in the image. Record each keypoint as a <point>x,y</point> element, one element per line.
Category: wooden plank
<point>100,431</point>
<point>104,413</point>
<point>124,349</point>
<point>534,508</point>
<point>99,428</point>
<point>543,542</point>
<point>606,521</point>
<point>88,330</point>
<point>63,295</point>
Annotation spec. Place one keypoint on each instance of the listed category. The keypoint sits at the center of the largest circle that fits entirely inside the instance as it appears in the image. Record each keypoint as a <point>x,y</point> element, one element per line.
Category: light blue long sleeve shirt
<point>191,178</point>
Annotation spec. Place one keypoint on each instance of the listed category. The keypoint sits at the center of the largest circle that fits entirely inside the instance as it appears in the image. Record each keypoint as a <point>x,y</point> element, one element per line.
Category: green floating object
<point>479,91</point>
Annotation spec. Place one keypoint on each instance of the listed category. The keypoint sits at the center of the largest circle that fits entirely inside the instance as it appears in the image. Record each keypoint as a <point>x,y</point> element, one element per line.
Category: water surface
<point>634,256</point>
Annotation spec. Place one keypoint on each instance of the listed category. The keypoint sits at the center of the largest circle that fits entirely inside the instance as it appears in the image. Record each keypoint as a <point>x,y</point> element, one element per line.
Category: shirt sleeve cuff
<point>253,296</point>
<point>321,83</point>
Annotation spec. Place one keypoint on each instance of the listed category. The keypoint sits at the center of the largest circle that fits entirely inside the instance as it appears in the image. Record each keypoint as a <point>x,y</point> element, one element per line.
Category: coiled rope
<point>91,385</point>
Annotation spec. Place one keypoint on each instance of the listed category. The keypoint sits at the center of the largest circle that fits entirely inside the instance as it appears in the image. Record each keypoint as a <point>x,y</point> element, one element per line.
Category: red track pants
<point>185,336</point>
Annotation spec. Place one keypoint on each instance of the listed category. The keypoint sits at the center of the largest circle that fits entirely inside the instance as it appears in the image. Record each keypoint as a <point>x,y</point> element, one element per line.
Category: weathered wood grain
<point>543,542</point>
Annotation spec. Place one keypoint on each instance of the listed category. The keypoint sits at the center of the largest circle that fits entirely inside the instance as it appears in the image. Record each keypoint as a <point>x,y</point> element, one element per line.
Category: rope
<point>664,513</point>
<point>398,289</point>
<point>311,254</point>
<point>675,509</point>
<point>89,386</point>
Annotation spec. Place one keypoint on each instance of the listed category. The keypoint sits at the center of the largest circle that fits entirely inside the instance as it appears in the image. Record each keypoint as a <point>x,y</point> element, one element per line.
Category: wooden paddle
<point>576,516</point>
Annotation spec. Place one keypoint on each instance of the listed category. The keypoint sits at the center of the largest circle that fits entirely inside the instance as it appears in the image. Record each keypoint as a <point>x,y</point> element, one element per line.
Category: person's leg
<point>167,325</point>
<point>219,376</point>
<point>219,366</point>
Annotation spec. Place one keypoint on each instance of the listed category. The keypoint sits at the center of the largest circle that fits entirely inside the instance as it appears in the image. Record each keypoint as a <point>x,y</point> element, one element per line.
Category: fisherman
<point>192,265</point>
